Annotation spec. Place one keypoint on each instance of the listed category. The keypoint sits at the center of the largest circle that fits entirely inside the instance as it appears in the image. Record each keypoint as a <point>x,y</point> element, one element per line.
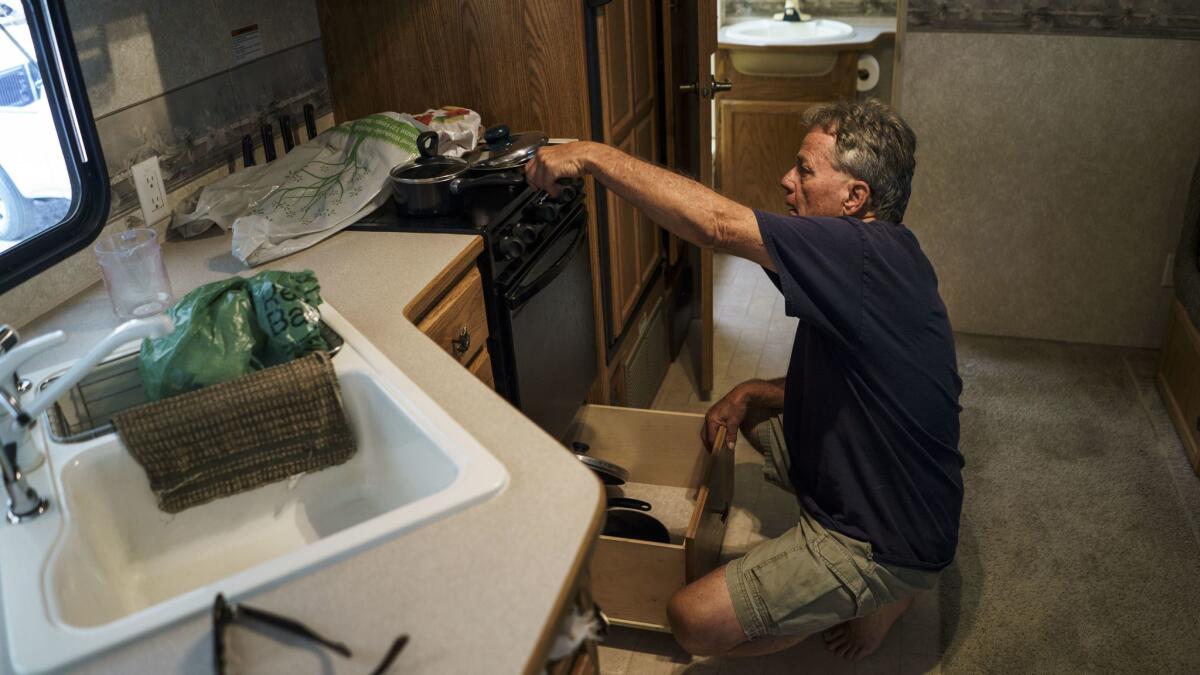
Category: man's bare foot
<point>857,638</point>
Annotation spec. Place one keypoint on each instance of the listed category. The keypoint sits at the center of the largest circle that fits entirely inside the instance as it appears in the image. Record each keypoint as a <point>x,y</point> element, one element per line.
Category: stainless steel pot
<point>503,150</point>
<point>432,185</point>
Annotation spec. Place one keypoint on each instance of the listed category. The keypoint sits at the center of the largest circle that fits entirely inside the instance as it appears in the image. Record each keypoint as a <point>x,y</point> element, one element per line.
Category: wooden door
<point>690,37</point>
<point>626,39</point>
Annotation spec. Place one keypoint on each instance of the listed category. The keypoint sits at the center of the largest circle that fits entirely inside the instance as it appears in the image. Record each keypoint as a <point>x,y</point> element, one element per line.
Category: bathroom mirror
<point>53,184</point>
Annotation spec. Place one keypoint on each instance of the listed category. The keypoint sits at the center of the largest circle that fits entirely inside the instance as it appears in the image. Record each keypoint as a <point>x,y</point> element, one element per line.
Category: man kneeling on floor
<point>864,427</point>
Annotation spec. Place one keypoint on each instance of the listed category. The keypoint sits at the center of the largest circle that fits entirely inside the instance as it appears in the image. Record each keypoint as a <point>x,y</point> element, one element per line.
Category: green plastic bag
<point>229,328</point>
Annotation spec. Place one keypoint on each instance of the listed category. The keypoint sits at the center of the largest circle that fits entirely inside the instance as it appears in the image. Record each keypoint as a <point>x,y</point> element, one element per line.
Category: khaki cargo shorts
<point>810,578</point>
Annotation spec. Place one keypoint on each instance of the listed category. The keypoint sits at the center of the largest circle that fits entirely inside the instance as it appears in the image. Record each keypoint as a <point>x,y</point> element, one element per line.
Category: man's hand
<point>731,410</point>
<point>553,162</point>
<point>727,412</point>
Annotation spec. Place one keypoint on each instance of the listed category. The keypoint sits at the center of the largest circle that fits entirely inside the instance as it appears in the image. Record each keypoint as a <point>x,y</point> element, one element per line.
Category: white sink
<point>104,565</point>
<point>763,47</point>
<point>774,33</point>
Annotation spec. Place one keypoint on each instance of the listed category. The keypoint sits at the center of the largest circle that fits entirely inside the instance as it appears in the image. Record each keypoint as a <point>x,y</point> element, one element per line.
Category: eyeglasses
<point>225,613</point>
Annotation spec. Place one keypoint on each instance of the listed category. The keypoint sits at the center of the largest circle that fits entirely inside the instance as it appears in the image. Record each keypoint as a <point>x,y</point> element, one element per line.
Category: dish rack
<point>86,410</point>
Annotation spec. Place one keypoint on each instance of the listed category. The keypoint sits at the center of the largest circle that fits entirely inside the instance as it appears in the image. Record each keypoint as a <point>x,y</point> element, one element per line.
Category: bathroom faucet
<point>792,13</point>
<point>16,419</point>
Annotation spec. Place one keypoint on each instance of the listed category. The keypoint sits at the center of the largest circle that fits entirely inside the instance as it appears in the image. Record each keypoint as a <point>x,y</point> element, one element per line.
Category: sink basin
<point>773,33</point>
<point>765,47</point>
<point>105,565</point>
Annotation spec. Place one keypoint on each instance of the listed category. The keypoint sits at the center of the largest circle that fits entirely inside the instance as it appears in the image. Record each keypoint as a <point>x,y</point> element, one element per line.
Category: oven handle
<point>520,295</point>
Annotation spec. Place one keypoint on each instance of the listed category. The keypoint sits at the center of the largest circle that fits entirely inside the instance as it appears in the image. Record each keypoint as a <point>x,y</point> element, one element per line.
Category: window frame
<point>66,94</point>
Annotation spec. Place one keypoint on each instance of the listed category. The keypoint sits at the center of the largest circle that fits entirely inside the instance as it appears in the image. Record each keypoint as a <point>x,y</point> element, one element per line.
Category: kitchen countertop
<point>868,31</point>
<point>477,591</point>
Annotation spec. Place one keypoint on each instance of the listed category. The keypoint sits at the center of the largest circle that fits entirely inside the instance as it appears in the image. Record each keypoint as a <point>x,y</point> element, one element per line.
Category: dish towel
<point>238,435</point>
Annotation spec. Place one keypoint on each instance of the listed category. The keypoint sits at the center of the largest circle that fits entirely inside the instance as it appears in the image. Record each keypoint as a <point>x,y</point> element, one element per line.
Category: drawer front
<point>458,322</point>
<point>706,532</point>
<point>481,367</point>
<point>632,579</point>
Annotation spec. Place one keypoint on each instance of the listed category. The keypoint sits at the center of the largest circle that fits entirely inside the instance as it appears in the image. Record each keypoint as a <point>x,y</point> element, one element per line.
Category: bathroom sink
<point>774,33</point>
<point>766,47</point>
<point>104,565</point>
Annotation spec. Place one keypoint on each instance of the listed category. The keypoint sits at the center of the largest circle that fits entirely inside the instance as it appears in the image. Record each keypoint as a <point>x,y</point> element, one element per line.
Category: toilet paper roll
<point>868,72</point>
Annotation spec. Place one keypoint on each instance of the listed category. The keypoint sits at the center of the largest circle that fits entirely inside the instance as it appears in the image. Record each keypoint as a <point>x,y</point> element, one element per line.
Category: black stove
<point>537,287</point>
<point>514,221</point>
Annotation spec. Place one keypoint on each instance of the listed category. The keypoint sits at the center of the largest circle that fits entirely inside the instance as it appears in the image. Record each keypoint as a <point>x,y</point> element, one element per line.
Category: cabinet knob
<point>719,86</point>
<point>462,343</point>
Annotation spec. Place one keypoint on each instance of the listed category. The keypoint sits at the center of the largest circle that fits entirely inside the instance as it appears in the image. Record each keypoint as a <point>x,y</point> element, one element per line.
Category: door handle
<point>715,87</point>
<point>461,343</point>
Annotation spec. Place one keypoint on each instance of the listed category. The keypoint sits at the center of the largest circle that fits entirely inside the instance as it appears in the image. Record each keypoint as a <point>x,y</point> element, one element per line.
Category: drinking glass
<point>132,264</point>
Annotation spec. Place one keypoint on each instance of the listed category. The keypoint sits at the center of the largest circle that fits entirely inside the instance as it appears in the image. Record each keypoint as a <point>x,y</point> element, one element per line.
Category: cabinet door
<point>626,35</point>
<point>757,146</point>
<point>612,33</point>
<point>623,274</point>
<point>649,239</point>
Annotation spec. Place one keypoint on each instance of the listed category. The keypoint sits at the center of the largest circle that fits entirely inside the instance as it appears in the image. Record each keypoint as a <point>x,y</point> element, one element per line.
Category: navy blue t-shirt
<point>871,400</point>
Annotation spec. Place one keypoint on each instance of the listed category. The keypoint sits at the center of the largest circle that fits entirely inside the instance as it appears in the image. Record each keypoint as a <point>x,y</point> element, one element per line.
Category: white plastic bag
<point>458,128</point>
<point>307,195</point>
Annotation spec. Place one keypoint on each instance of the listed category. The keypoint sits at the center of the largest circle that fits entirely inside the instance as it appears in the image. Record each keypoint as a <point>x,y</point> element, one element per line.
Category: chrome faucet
<point>23,501</point>
<point>792,13</point>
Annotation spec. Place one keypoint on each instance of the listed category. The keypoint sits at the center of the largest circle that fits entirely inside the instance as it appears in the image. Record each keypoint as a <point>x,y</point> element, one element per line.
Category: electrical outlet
<point>147,178</point>
<point>1168,277</point>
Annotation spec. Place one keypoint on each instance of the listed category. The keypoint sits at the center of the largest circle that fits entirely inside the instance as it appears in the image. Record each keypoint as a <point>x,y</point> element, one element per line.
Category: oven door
<point>552,330</point>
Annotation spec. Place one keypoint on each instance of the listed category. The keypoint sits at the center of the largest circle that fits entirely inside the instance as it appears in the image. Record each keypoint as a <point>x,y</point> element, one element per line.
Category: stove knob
<point>546,212</point>
<point>525,232</point>
<point>511,248</point>
<point>566,195</point>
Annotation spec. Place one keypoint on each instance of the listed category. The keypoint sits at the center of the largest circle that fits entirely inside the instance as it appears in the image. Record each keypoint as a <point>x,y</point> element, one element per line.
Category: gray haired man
<point>864,427</point>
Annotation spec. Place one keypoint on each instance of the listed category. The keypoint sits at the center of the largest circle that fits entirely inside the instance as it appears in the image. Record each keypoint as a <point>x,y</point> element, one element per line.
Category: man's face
<point>813,186</point>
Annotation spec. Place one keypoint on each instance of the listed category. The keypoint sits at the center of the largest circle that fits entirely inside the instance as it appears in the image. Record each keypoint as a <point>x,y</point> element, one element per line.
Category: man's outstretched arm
<point>680,205</point>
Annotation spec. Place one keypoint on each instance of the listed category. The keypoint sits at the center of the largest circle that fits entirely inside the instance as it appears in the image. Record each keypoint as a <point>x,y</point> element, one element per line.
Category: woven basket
<point>235,436</point>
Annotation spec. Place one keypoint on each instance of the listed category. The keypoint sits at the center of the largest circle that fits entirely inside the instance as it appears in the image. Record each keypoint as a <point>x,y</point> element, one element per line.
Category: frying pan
<point>635,525</point>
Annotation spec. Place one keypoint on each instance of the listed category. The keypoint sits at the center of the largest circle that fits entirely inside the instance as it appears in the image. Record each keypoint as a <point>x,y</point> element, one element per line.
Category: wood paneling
<point>518,63</point>
<point>757,146</point>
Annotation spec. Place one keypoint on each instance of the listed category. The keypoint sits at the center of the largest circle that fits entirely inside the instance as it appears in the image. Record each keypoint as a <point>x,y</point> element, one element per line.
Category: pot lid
<point>505,150</point>
<point>429,167</point>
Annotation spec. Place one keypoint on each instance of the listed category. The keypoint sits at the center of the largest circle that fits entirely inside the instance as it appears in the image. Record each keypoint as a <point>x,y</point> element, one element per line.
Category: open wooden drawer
<point>632,580</point>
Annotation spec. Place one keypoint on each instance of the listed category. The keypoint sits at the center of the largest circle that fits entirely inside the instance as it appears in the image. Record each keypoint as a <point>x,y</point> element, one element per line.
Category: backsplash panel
<point>741,8</point>
<point>162,80</point>
<point>1175,19</point>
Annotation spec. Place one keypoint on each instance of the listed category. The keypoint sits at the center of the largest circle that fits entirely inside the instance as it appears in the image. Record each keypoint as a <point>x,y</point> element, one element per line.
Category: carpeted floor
<point>1078,550</point>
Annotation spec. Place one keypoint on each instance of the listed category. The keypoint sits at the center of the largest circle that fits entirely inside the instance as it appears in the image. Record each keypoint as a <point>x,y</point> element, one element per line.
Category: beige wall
<point>1051,178</point>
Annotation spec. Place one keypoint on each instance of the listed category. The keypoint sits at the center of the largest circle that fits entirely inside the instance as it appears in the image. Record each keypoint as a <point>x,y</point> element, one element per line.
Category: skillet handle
<point>628,503</point>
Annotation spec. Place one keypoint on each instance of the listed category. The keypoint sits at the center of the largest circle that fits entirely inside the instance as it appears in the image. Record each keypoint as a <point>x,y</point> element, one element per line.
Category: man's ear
<point>858,199</point>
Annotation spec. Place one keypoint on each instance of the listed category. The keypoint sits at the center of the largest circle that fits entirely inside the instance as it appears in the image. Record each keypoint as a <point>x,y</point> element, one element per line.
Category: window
<point>53,185</point>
